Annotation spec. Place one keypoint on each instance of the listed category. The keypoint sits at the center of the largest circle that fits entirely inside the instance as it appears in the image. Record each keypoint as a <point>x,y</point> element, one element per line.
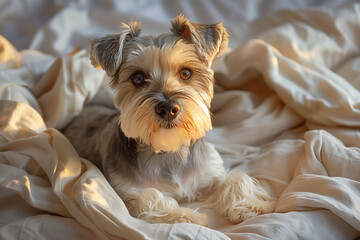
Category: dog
<point>151,148</point>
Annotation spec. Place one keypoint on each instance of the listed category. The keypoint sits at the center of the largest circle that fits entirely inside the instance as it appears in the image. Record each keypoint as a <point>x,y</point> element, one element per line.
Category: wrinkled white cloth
<point>286,112</point>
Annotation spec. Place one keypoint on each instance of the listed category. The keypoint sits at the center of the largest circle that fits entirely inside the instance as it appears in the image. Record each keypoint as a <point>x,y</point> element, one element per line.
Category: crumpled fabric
<point>286,111</point>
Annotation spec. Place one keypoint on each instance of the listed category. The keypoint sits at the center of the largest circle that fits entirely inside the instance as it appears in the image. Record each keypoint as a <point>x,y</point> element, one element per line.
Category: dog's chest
<point>174,172</point>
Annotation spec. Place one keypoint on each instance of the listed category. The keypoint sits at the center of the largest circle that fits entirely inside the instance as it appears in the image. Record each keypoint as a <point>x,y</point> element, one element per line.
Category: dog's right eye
<point>138,78</point>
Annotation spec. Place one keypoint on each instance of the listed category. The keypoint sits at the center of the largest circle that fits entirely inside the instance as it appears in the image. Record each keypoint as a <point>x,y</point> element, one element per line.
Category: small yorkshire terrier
<point>152,148</point>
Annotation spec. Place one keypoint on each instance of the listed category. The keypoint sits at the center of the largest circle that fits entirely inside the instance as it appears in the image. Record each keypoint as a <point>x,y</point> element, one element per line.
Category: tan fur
<point>162,65</point>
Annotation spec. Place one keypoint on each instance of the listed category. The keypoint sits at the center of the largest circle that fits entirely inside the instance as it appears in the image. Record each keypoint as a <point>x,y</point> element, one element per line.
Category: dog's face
<point>164,84</point>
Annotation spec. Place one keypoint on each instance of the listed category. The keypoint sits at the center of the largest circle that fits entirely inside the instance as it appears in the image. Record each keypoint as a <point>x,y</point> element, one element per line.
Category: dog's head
<point>163,84</point>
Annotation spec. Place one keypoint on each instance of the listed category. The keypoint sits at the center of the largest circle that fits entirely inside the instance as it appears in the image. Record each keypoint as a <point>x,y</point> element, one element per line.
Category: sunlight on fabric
<point>23,183</point>
<point>5,115</point>
<point>357,206</point>
<point>303,54</point>
<point>274,61</point>
<point>20,118</point>
<point>9,56</point>
<point>14,182</point>
<point>92,193</point>
<point>65,173</point>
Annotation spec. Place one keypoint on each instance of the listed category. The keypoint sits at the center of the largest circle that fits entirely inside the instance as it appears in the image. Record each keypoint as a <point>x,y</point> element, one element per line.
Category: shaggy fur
<point>155,156</point>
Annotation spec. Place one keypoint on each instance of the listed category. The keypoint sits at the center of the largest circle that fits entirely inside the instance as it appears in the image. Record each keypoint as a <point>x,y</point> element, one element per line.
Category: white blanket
<point>287,112</point>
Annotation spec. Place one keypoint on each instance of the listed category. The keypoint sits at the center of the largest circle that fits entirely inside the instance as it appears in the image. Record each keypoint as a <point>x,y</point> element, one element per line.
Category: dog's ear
<point>210,40</point>
<point>106,52</point>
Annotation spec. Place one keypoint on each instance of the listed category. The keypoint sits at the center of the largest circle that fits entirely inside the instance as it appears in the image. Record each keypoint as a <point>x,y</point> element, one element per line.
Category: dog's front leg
<point>154,207</point>
<point>239,197</point>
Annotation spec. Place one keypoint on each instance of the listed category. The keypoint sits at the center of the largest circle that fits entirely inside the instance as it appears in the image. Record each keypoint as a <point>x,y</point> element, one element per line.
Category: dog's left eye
<point>138,78</point>
<point>185,74</point>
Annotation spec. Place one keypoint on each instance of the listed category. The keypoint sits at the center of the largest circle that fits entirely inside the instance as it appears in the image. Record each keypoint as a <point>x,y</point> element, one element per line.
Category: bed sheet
<point>286,111</point>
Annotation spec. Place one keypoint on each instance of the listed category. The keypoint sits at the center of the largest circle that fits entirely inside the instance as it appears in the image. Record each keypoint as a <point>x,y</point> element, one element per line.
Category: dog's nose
<point>167,110</point>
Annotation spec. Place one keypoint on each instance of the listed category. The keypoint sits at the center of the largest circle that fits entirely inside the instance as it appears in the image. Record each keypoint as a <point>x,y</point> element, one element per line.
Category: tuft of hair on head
<point>106,51</point>
<point>210,40</point>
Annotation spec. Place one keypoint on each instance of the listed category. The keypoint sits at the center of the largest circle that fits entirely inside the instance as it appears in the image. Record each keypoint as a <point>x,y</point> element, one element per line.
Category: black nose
<point>167,110</point>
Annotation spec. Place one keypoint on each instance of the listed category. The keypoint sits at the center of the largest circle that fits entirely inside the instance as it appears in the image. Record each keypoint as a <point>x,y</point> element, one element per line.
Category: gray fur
<point>107,51</point>
<point>90,130</point>
<point>105,145</point>
<point>211,40</point>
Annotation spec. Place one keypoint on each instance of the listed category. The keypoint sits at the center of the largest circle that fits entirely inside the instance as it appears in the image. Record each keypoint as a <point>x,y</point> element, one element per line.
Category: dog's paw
<point>187,215</point>
<point>240,197</point>
<point>153,207</point>
<point>241,212</point>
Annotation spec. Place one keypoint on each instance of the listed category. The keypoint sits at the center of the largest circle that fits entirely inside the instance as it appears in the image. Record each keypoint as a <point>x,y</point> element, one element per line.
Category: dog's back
<point>92,122</point>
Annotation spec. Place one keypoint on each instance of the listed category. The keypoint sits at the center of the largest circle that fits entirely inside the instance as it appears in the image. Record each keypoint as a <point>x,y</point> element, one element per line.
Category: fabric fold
<point>286,111</point>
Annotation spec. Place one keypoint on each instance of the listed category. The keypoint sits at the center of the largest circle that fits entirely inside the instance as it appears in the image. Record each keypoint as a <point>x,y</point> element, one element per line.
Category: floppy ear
<point>107,51</point>
<point>210,40</point>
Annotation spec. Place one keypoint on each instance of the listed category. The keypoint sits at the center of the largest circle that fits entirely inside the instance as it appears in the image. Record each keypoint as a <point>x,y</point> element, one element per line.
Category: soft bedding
<point>286,111</point>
